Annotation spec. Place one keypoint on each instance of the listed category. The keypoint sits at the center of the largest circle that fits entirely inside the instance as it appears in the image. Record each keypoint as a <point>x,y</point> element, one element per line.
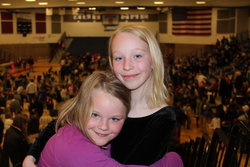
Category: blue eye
<point>115,119</point>
<point>117,58</point>
<point>137,56</point>
<point>94,115</point>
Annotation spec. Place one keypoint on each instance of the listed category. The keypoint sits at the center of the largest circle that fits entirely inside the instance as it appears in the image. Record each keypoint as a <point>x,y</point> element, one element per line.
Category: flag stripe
<point>189,33</point>
<point>192,24</point>
<point>196,21</point>
<point>194,29</point>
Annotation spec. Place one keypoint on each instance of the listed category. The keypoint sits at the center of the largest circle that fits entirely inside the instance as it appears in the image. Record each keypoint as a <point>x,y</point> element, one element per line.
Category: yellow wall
<point>96,29</point>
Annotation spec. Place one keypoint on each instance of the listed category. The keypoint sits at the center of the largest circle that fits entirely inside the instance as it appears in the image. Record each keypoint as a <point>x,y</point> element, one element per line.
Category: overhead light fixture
<point>80,3</point>
<point>30,0</point>
<point>200,2</point>
<point>119,2</point>
<point>6,4</point>
<point>92,8</point>
<point>140,8</point>
<point>43,3</point>
<point>124,8</point>
<point>158,2</point>
<point>72,0</point>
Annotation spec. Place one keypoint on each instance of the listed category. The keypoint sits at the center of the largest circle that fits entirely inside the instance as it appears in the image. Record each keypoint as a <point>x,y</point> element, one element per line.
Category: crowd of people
<point>214,86</point>
<point>213,89</point>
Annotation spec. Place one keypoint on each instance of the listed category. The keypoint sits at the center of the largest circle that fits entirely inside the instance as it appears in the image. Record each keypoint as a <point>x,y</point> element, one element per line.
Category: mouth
<point>101,134</point>
<point>127,77</point>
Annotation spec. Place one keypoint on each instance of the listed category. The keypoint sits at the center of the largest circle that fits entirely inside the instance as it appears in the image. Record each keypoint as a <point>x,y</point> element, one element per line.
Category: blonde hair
<point>157,93</point>
<point>77,111</point>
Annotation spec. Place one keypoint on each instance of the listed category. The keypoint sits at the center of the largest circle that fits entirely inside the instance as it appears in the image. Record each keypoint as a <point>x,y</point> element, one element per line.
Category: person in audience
<point>188,112</point>
<point>1,134</point>
<point>31,90</point>
<point>7,122</point>
<point>15,144</point>
<point>30,61</point>
<point>88,122</point>
<point>244,116</point>
<point>215,122</point>
<point>1,137</point>
<point>33,124</point>
<point>15,106</point>
<point>136,60</point>
<point>44,120</point>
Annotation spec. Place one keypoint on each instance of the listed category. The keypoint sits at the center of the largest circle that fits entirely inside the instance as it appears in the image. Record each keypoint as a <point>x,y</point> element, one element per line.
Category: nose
<point>103,125</point>
<point>127,64</point>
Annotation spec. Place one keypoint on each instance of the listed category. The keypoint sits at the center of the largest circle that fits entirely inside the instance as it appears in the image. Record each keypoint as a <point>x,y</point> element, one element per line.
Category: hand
<point>29,161</point>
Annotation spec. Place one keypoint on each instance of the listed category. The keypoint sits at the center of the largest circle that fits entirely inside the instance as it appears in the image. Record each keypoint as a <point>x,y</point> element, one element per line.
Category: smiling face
<point>107,117</point>
<point>131,60</point>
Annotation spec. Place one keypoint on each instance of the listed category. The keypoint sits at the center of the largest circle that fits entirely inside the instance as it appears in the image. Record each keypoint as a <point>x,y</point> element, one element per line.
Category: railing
<point>59,48</point>
<point>223,150</point>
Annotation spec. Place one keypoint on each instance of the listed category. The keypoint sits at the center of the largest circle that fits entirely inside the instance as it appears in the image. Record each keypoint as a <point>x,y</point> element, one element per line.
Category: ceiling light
<point>72,0</point>
<point>80,3</point>
<point>6,4</point>
<point>92,8</point>
<point>158,2</point>
<point>119,2</point>
<point>43,3</point>
<point>200,2</point>
<point>140,8</point>
<point>30,0</point>
<point>124,8</point>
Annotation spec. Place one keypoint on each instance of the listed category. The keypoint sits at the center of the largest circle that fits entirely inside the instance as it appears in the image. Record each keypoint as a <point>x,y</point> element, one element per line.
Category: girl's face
<point>131,60</point>
<point>107,117</point>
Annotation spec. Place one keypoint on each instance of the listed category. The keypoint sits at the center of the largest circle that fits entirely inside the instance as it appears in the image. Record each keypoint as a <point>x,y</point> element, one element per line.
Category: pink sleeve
<point>170,159</point>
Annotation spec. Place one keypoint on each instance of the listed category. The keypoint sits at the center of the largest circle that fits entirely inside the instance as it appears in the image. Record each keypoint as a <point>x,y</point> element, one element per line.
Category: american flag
<point>192,21</point>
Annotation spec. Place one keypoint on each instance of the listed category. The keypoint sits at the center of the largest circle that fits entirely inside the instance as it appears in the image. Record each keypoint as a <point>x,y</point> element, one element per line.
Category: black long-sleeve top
<point>144,140</point>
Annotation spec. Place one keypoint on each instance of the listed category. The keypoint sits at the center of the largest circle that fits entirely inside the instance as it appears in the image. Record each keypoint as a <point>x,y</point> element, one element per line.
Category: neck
<point>139,106</point>
<point>138,102</point>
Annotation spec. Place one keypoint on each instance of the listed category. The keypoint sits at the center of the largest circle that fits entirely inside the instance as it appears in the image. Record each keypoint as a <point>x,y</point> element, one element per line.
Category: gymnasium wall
<point>54,28</point>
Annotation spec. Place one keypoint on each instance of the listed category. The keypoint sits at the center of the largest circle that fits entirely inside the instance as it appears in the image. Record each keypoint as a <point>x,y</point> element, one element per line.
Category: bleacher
<point>223,150</point>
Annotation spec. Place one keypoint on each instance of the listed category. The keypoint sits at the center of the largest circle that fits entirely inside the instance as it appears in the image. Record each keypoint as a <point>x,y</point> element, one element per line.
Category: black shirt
<point>144,140</point>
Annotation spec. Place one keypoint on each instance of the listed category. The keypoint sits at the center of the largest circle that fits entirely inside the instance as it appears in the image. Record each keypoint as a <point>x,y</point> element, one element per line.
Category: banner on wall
<point>192,21</point>
<point>75,11</point>
<point>111,19</point>
<point>61,11</point>
<point>49,11</point>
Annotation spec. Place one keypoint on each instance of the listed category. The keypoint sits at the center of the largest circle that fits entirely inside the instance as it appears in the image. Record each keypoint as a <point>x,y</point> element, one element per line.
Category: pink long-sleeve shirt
<point>70,148</point>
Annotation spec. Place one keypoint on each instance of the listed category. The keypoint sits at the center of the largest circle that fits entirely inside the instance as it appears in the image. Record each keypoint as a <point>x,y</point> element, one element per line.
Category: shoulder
<point>173,159</point>
<point>167,112</point>
<point>72,148</point>
<point>72,139</point>
<point>68,143</point>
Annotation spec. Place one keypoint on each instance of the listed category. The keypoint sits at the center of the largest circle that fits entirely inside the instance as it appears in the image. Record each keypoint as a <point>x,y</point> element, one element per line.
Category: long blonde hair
<point>77,110</point>
<point>156,92</point>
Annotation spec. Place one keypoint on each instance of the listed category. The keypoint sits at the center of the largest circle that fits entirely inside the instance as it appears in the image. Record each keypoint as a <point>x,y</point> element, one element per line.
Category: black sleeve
<point>37,147</point>
<point>1,131</point>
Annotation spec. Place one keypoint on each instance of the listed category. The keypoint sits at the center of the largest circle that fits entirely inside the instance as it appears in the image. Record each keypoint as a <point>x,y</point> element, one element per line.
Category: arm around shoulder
<point>37,147</point>
<point>29,161</point>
